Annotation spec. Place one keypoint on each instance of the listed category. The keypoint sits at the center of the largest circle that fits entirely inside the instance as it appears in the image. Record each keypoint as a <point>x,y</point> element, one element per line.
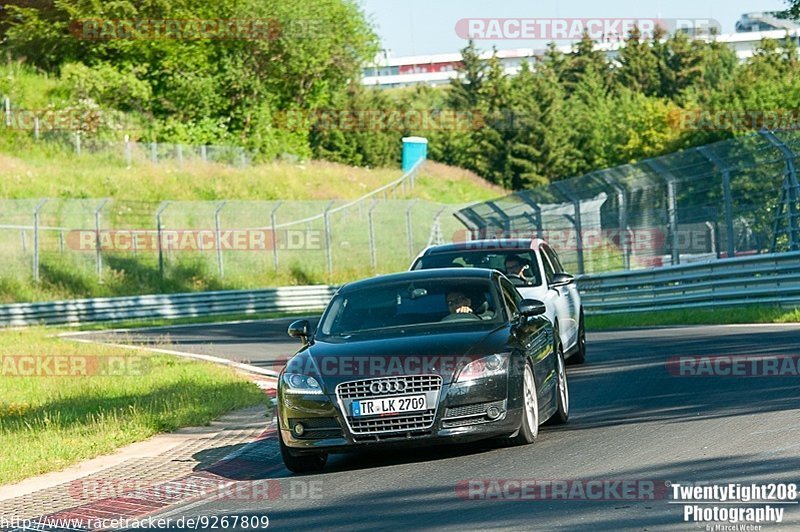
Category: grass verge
<point>162,322</point>
<point>717,316</point>
<point>104,398</point>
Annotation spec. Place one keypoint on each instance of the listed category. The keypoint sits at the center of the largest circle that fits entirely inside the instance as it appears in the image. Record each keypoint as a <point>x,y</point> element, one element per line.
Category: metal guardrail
<point>170,306</point>
<point>768,279</point>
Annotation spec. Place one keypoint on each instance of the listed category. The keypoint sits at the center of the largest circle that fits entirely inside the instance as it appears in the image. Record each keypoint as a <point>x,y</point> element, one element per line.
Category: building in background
<point>766,21</point>
<point>439,69</point>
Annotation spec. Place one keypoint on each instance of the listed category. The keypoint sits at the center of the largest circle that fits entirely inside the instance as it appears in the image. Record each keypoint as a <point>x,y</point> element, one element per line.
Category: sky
<point>416,27</point>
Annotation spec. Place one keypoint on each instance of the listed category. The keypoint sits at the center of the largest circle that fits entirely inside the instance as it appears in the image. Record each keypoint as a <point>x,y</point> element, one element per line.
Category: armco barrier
<point>769,279</point>
<point>220,303</point>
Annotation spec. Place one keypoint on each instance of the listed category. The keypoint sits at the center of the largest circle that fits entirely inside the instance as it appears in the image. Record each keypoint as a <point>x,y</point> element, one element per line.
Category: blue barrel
<point>415,149</point>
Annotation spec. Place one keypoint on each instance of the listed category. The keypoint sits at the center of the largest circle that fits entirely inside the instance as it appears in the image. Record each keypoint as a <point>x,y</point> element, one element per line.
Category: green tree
<point>638,68</point>
<point>584,58</point>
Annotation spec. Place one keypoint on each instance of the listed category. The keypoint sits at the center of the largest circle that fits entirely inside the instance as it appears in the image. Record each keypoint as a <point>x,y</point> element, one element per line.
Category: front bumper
<point>460,414</point>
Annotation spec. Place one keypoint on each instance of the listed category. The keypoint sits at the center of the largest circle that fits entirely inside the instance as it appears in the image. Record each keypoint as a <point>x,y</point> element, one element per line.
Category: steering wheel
<point>463,316</point>
<point>516,280</point>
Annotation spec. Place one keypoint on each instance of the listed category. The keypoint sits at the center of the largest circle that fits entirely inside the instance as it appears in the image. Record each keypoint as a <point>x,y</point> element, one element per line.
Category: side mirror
<point>531,307</point>
<point>299,329</point>
<point>561,279</point>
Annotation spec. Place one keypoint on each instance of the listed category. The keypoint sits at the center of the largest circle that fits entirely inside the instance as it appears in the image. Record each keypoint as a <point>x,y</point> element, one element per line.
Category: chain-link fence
<point>190,245</point>
<point>735,197</point>
<point>75,130</point>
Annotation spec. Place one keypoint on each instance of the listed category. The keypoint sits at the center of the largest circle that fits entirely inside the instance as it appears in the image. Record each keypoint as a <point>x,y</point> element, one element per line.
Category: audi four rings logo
<point>387,387</point>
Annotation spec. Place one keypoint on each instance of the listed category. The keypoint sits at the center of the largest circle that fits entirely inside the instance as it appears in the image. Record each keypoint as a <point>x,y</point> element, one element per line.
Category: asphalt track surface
<point>631,420</point>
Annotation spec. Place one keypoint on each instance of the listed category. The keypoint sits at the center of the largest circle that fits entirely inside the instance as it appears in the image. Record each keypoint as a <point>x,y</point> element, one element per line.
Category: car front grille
<point>431,385</point>
<point>400,423</point>
<point>414,384</point>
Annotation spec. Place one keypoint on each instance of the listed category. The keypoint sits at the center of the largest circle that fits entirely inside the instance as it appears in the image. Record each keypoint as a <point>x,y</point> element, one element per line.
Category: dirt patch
<point>10,164</point>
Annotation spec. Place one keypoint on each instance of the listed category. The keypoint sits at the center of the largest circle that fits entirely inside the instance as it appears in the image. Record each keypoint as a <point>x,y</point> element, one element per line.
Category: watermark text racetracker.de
<point>734,119</point>
<point>522,489</point>
<point>200,522</point>
<point>144,240</point>
<point>722,507</point>
<point>573,29</point>
<point>219,29</point>
<point>207,488</point>
<point>762,365</point>
<point>72,366</point>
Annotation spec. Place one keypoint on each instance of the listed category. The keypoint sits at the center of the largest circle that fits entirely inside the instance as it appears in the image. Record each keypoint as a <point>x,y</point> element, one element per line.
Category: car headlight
<point>490,366</point>
<point>301,384</point>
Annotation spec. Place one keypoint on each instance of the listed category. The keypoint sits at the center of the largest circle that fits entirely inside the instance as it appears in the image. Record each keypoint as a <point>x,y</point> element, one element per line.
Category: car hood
<point>442,354</point>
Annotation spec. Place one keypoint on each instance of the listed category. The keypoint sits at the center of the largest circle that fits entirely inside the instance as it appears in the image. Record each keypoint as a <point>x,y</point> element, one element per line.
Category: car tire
<point>561,415</point>
<point>301,463</point>
<point>579,357</point>
<point>529,427</point>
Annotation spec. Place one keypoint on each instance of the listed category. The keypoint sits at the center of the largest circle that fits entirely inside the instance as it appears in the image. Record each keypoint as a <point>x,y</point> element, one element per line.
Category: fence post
<point>77,142</point>
<point>159,228</point>
<point>35,128</point>
<point>435,237</point>
<point>505,219</point>
<point>61,241</point>
<point>372,254</point>
<point>36,240</point>
<point>712,237</point>
<point>672,207</point>
<point>272,215</point>
<point>7,102</point>
<point>726,192</point>
<point>203,153</point>
<point>328,251</point>
<point>154,152</point>
<point>179,149</point>
<point>622,220</point>
<point>98,245</point>
<point>576,222</point>
<point>409,230</point>
<point>538,210</point>
<point>789,195</point>
<point>128,154</point>
<point>217,237</point>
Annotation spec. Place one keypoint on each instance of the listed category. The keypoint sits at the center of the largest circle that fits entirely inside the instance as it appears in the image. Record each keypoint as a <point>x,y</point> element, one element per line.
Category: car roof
<point>502,244</point>
<point>422,275</point>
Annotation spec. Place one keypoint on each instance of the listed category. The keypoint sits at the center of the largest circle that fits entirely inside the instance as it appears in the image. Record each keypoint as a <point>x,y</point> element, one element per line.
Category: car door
<point>569,301</point>
<point>556,298</point>
<point>536,339</point>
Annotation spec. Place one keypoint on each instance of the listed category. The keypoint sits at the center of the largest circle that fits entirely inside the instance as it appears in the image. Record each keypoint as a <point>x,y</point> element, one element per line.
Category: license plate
<point>389,405</point>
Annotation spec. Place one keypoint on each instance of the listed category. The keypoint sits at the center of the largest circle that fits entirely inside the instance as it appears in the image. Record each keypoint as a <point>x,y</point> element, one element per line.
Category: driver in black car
<point>460,303</point>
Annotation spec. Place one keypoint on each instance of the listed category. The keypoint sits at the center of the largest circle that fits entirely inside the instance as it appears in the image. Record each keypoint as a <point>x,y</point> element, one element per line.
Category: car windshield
<point>512,262</point>
<point>400,305</point>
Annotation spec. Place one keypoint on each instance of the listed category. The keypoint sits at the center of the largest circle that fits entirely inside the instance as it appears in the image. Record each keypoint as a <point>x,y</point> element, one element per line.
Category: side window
<point>554,260</point>
<point>511,297</point>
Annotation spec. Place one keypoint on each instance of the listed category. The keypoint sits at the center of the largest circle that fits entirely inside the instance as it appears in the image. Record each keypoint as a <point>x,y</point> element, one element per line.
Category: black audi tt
<point>422,357</point>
